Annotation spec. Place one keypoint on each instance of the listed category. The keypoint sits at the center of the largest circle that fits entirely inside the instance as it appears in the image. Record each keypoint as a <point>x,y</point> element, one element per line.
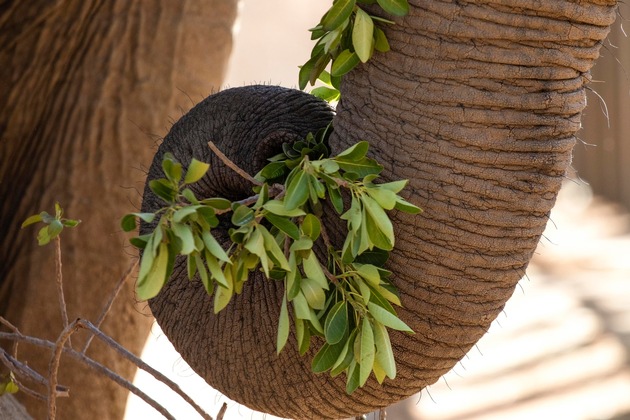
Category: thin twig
<point>329,275</point>
<point>232,165</point>
<point>13,328</point>
<point>110,301</point>
<point>222,411</point>
<point>53,367</point>
<point>325,237</point>
<point>21,369</point>
<point>275,191</point>
<point>59,276</point>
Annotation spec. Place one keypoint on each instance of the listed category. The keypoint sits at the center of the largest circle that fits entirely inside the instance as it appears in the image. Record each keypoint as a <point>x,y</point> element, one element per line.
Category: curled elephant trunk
<point>477,103</point>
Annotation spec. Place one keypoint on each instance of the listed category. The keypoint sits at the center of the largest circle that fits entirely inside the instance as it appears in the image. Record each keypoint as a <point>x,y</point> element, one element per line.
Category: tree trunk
<point>86,89</point>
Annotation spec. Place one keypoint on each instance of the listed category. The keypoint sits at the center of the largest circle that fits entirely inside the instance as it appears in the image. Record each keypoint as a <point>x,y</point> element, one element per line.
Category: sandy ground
<point>560,350</point>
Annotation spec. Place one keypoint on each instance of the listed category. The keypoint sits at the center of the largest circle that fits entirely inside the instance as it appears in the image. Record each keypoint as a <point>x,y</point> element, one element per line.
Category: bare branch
<point>143,365</point>
<point>232,165</point>
<point>99,368</point>
<point>108,305</point>
<point>23,370</point>
<point>53,367</point>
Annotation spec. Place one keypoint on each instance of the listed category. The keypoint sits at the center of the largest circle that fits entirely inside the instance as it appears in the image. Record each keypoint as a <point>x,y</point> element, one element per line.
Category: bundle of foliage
<point>344,296</point>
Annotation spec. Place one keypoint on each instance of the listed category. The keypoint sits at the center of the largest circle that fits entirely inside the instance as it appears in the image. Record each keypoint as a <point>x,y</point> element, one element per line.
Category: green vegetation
<point>342,295</point>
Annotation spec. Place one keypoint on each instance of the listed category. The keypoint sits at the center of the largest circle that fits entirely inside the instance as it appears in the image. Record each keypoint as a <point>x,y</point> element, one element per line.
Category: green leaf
<point>151,284</point>
<point>314,271</point>
<point>362,167</point>
<point>217,202</point>
<point>353,380</point>
<point>326,357</point>
<point>184,212</point>
<point>363,35</point>
<point>70,222</point>
<point>47,218</point>
<point>336,324</point>
<point>407,207</point>
<point>284,224</point>
<point>377,257</point>
<point>11,388</point>
<point>43,236</point>
<point>38,218</point>
<point>273,249</point>
<point>293,278</point>
<point>395,7</point>
<point>215,271</point>
<point>369,273</point>
<point>223,295</point>
<point>303,336</point>
<point>214,247</point>
<point>378,219</point>
<point>366,355</point>
<point>384,197</point>
<point>127,223</point>
<point>311,226</point>
<point>172,169</point>
<point>313,293</point>
<point>256,245</point>
<point>274,169</point>
<point>196,171</point>
<point>394,186</point>
<point>345,61</point>
<point>353,153</point>
<point>283,326</point>
<point>346,356</point>
<point>203,273</point>
<point>297,191</point>
<point>163,189</point>
<point>325,93</point>
<point>190,196</point>
<point>278,207</point>
<point>337,15</point>
<point>380,40</point>
<point>207,217</point>
<point>301,307</point>
<point>139,242</point>
<point>305,72</point>
<point>387,318</point>
<point>242,215</point>
<point>384,354</point>
<point>184,233</point>
<point>366,292</point>
<point>335,198</point>
<point>191,266</point>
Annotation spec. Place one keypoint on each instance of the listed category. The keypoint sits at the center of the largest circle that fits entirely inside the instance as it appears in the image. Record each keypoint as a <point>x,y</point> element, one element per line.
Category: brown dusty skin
<point>86,87</point>
<point>477,104</point>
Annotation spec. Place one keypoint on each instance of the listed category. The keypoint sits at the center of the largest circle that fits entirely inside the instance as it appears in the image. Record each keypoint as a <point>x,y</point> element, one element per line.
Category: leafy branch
<point>346,298</point>
<point>346,36</point>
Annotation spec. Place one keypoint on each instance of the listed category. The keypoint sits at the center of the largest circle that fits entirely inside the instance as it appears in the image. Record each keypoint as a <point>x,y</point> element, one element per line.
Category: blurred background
<point>561,347</point>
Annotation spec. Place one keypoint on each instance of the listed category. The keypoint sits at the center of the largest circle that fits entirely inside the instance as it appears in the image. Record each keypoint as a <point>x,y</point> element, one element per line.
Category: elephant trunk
<point>478,105</point>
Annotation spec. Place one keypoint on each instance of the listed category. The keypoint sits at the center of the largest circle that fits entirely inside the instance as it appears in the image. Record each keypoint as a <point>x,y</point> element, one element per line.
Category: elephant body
<point>477,104</point>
